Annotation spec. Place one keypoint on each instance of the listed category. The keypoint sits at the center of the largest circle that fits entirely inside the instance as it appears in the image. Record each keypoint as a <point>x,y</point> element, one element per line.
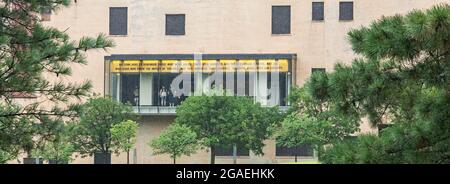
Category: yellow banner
<point>178,66</point>
<point>246,65</point>
<point>131,66</point>
<point>273,65</point>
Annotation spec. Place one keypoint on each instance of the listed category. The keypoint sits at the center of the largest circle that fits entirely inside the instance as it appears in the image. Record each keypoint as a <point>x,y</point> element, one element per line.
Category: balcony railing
<point>168,110</point>
<point>154,110</point>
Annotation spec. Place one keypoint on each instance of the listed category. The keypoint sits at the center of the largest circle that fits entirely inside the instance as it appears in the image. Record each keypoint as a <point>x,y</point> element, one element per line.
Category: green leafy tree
<point>297,130</point>
<point>58,151</point>
<point>176,140</point>
<point>30,55</point>
<point>405,73</point>
<point>92,132</point>
<point>124,136</point>
<point>226,121</point>
<point>58,148</point>
<point>318,116</point>
<point>366,149</point>
<point>7,155</point>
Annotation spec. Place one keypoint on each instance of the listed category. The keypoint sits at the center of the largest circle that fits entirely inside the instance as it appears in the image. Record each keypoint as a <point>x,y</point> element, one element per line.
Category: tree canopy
<point>31,54</point>
<point>176,140</point>
<point>124,136</point>
<point>222,121</point>
<point>402,79</point>
<point>91,133</point>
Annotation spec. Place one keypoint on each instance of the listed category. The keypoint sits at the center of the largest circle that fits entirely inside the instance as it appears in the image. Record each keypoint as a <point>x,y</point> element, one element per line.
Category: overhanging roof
<point>194,56</point>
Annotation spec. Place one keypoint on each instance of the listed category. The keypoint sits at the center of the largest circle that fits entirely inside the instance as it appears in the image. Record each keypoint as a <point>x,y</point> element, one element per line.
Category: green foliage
<point>92,133</point>
<point>15,133</point>
<point>221,121</point>
<point>60,150</point>
<point>176,140</point>
<point>297,130</point>
<point>257,124</point>
<point>403,80</point>
<point>7,155</point>
<point>58,147</point>
<point>402,143</point>
<point>365,149</point>
<point>124,135</point>
<point>319,115</point>
<point>28,51</point>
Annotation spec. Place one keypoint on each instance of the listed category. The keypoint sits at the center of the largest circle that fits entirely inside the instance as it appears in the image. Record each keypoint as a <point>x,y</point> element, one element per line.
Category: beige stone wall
<point>220,27</point>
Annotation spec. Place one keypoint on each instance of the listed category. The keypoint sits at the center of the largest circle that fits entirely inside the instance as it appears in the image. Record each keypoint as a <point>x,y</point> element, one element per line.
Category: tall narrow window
<point>118,21</point>
<point>130,89</point>
<point>175,24</point>
<point>346,11</point>
<point>317,11</point>
<point>281,19</point>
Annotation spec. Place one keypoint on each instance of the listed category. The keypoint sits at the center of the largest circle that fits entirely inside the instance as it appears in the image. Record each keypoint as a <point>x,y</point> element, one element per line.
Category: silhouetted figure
<point>163,96</point>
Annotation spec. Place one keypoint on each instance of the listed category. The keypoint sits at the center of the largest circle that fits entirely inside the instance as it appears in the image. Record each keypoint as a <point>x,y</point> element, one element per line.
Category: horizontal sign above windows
<point>178,66</point>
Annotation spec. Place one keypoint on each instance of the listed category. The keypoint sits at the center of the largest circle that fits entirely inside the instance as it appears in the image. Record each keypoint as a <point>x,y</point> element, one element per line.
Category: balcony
<point>156,84</point>
<point>154,110</point>
<point>146,110</point>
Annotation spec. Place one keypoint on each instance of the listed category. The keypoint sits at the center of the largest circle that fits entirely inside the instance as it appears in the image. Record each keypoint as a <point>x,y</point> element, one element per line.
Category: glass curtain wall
<point>170,88</point>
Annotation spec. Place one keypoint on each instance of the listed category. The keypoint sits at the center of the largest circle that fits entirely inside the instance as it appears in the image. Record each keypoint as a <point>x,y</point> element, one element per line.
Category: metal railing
<point>168,110</point>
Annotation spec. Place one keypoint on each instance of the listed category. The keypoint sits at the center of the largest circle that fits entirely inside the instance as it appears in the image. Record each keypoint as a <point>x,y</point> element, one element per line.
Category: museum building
<point>169,50</point>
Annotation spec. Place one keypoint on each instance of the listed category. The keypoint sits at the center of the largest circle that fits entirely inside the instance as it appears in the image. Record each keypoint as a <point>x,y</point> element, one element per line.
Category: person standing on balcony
<point>163,96</point>
<point>171,99</point>
<point>136,96</point>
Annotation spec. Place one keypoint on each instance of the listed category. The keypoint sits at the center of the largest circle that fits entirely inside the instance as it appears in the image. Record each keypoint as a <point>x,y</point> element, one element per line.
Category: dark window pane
<point>175,24</point>
<point>130,89</point>
<point>165,95</point>
<point>281,19</point>
<point>314,70</point>
<point>118,21</point>
<point>303,150</point>
<point>229,151</point>
<point>346,11</point>
<point>317,11</point>
<point>283,89</point>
